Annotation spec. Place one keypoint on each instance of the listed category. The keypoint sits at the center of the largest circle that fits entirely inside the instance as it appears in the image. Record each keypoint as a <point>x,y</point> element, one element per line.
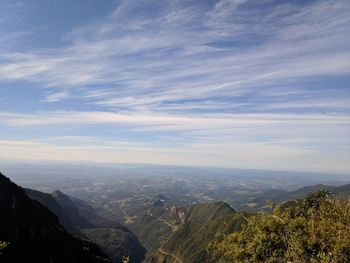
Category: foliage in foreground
<point>3,245</point>
<point>314,229</point>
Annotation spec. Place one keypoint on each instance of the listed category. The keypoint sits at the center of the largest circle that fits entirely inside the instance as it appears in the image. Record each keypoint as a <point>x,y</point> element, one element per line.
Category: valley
<point>163,214</point>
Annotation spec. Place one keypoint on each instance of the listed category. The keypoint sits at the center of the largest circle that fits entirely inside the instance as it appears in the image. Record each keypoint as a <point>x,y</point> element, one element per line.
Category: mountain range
<point>56,227</point>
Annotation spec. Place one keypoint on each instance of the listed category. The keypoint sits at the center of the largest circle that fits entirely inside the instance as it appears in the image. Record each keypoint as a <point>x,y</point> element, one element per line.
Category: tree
<point>313,229</point>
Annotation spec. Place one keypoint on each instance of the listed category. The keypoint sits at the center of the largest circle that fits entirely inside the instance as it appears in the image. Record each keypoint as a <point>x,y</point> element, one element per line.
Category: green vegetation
<point>3,245</point>
<point>201,224</point>
<point>118,243</point>
<point>150,230</point>
<point>313,229</point>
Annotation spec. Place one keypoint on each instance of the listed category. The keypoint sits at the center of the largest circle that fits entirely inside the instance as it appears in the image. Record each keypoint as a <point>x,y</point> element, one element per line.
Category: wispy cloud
<point>219,79</point>
<point>209,121</point>
<point>54,97</point>
<point>170,63</point>
<point>289,130</point>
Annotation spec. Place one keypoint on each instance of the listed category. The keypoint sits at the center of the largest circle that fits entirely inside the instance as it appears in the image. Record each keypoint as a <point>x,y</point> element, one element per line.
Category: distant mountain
<point>50,202</point>
<point>82,219</point>
<point>339,191</point>
<point>33,234</point>
<point>71,209</point>
<point>277,196</point>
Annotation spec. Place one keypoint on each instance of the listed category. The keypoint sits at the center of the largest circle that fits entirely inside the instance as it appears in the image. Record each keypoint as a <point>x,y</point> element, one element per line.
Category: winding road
<point>171,255</point>
<point>166,222</point>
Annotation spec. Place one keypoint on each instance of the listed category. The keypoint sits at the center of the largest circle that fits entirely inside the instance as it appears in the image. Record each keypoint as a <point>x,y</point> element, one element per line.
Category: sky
<point>259,84</point>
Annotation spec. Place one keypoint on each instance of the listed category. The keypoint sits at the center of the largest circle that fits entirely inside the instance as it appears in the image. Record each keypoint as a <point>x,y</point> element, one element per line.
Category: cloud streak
<point>193,76</point>
<point>172,63</point>
<point>54,97</point>
<point>208,121</point>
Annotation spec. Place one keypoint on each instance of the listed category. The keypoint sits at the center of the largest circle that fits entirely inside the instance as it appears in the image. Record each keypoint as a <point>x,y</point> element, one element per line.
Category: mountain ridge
<point>115,240</point>
<point>33,232</point>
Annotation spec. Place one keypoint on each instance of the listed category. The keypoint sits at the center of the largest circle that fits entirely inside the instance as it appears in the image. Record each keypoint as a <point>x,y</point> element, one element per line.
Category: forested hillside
<point>312,229</point>
<point>200,225</point>
<point>315,229</point>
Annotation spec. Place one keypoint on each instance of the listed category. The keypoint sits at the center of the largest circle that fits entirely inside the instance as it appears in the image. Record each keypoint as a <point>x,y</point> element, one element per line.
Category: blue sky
<point>233,83</point>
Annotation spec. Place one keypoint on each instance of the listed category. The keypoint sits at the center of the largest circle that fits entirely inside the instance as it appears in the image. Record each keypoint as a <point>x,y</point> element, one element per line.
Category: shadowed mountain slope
<point>34,234</point>
<point>83,220</point>
<point>50,202</point>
